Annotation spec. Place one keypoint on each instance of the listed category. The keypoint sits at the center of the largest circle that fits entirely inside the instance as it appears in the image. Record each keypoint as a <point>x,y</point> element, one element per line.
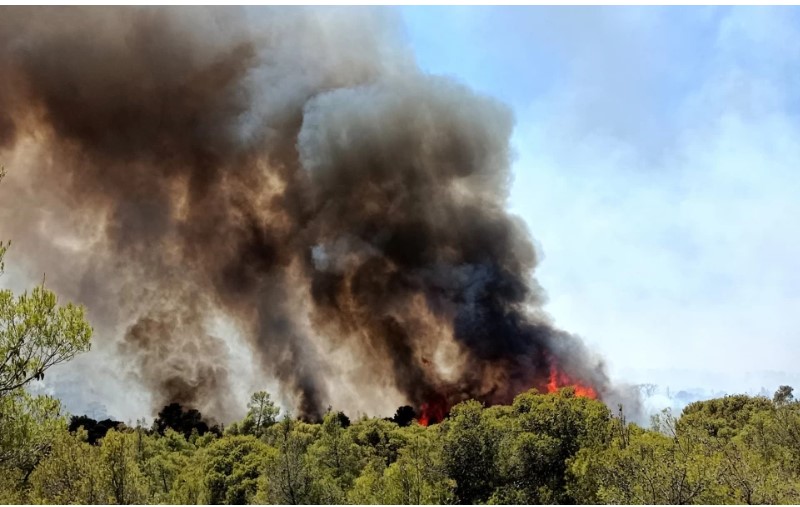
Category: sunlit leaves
<point>35,334</point>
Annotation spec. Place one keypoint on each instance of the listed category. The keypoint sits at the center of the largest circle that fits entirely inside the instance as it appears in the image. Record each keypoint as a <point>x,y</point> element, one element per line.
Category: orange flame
<point>559,379</point>
<point>437,408</point>
<point>433,412</point>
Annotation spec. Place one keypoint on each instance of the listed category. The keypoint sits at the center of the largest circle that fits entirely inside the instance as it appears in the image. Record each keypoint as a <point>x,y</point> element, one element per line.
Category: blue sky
<point>658,158</point>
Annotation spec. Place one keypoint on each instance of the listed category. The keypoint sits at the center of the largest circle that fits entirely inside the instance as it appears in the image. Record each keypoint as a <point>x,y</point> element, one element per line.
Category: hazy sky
<point>658,169</point>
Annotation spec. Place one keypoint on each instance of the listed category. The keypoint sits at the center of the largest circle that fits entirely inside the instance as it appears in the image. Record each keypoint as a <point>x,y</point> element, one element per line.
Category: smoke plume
<point>292,171</point>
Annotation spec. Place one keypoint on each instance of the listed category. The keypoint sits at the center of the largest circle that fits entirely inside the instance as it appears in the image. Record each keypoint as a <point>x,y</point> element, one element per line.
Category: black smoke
<point>294,171</point>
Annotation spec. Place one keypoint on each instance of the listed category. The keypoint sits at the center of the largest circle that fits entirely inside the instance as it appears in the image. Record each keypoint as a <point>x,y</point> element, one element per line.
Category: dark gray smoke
<point>294,172</point>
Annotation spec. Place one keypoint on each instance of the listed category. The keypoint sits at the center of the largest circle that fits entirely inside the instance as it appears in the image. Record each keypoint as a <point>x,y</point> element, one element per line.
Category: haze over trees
<point>36,333</point>
<point>543,448</point>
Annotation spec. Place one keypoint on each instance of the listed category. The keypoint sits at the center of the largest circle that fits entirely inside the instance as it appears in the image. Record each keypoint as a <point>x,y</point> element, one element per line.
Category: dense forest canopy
<point>544,448</point>
<point>556,447</point>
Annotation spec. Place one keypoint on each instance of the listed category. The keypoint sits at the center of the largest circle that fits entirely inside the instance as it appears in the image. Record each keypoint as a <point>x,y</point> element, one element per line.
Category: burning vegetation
<point>296,174</point>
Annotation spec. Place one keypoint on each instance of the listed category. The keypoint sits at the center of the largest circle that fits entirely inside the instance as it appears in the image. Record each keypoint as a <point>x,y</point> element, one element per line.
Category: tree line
<point>543,448</point>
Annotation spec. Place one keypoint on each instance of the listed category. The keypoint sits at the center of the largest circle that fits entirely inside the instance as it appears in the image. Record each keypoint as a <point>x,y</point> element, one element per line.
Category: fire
<point>437,408</point>
<point>559,379</point>
<point>433,412</point>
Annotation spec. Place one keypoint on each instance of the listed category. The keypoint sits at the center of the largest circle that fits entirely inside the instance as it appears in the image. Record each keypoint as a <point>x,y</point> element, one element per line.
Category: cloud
<point>671,245</point>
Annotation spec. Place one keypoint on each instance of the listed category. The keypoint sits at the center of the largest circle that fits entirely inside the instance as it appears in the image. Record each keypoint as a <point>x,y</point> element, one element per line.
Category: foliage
<point>783,395</point>
<point>27,428</point>
<point>290,478</point>
<point>35,334</point>
<point>227,470</point>
<point>162,460</point>
<point>336,458</point>
<point>262,413</point>
<point>724,417</point>
<point>125,480</point>
<point>71,474</point>
<point>546,433</point>
<point>543,448</point>
<point>469,452</point>
<point>378,439</point>
<point>419,476</point>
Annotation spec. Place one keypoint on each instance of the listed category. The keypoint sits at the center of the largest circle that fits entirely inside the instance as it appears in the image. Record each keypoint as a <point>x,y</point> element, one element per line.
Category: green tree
<point>469,453</point>
<point>188,486</point>
<point>419,475</point>
<point>27,428</point>
<point>35,334</point>
<point>230,469</point>
<point>261,414</point>
<point>125,479</point>
<point>783,395</point>
<point>335,460</point>
<point>378,438</point>
<point>661,466</point>
<point>760,464</point>
<point>289,478</point>
<point>546,432</point>
<point>162,459</point>
<point>723,417</point>
<point>530,469</point>
<point>370,487</point>
<point>71,473</point>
